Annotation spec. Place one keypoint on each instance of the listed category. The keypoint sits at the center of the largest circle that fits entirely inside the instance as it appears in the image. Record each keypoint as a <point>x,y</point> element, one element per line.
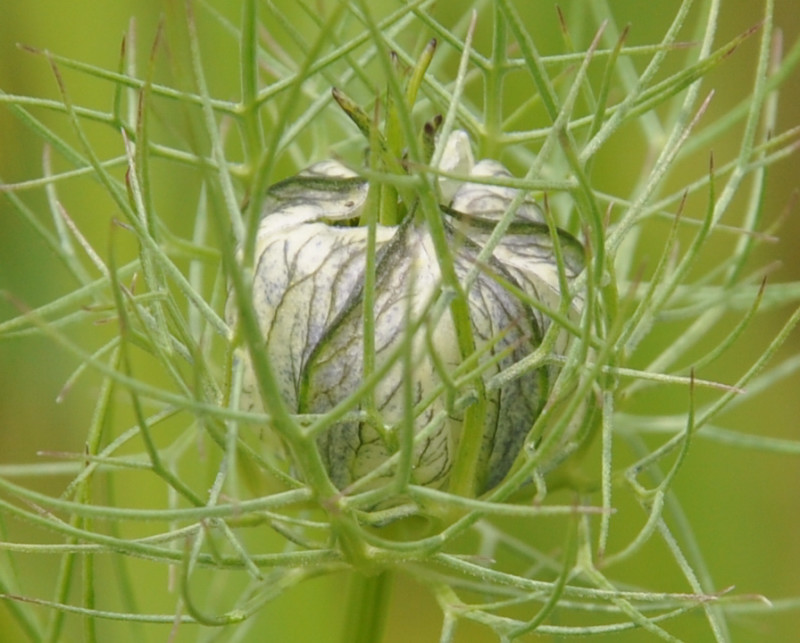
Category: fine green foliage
<point>238,504</point>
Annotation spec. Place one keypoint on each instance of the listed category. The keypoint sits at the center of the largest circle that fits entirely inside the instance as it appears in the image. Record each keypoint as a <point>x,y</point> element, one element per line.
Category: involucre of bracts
<point>308,294</point>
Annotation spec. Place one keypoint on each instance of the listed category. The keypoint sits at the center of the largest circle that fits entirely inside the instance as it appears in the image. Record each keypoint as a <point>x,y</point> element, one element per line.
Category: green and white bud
<point>308,294</point>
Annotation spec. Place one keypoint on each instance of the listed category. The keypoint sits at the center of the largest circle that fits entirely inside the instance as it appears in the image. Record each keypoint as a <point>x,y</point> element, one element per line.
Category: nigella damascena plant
<point>309,297</point>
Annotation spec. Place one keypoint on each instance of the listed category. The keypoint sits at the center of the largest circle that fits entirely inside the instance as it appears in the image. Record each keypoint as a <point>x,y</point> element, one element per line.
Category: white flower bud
<point>308,295</point>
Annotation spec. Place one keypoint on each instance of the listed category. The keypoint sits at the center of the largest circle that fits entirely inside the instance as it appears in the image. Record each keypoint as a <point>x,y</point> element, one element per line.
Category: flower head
<point>309,296</point>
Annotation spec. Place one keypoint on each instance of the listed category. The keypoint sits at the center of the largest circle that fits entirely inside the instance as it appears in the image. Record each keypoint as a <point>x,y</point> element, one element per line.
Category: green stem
<point>252,133</point>
<point>367,606</point>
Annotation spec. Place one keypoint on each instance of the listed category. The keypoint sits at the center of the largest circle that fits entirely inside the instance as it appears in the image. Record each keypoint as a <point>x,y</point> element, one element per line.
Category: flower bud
<point>308,294</point>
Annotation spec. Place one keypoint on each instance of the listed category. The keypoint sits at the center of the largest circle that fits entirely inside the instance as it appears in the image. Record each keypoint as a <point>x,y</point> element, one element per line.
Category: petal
<point>490,202</point>
<point>526,250</point>
<point>407,281</point>
<point>456,158</point>
<point>306,271</point>
<point>509,330</point>
<point>326,191</point>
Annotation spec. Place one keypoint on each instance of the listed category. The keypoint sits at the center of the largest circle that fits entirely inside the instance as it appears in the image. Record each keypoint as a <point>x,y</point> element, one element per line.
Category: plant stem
<point>367,605</point>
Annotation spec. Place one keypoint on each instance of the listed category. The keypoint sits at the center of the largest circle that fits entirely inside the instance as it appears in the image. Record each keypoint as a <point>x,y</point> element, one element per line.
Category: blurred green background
<point>745,506</point>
